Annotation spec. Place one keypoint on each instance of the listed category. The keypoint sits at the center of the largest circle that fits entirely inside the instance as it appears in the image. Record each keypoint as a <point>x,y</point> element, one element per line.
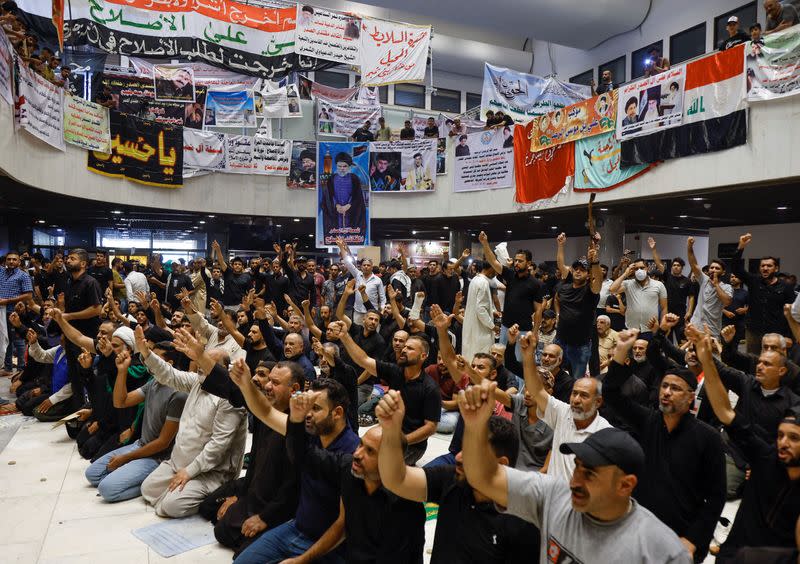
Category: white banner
<point>773,67</point>
<point>484,160</point>
<point>86,124</point>
<point>220,79</point>
<point>230,109</point>
<point>392,52</point>
<point>282,103</point>
<point>332,36</point>
<point>403,166</point>
<point>651,104</point>
<point>271,156</point>
<point>239,154</point>
<point>6,65</point>
<point>40,108</point>
<point>174,83</point>
<point>203,150</point>
<point>344,119</point>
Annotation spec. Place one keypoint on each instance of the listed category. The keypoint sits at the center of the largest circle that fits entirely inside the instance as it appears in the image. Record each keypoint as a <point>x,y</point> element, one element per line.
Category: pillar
<point>459,240</point>
<point>612,228</point>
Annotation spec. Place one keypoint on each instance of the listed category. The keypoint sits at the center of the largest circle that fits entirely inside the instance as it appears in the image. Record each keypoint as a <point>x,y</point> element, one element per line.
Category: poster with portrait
<point>651,104</point>
<point>174,83</point>
<point>343,208</point>
<point>303,167</point>
<point>441,155</point>
<point>585,119</point>
<point>136,95</point>
<point>343,119</point>
<point>484,160</point>
<point>230,109</point>
<point>403,166</point>
<point>328,35</point>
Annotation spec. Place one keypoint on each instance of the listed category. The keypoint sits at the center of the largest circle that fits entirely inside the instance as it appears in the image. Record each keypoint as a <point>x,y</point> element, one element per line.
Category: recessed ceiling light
<point>116,212</point>
<point>508,231</point>
<point>698,199</point>
<point>41,221</point>
<point>201,222</point>
<point>603,209</point>
<point>296,220</point>
<point>310,234</point>
<point>441,237</point>
<point>413,232</point>
<point>537,217</point>
<point>783,208</point>
<point>554,227</point>
<point>212,216</point>
<point>445,228</point>
<point>278,225</point>
<point>683,216</point>
<point>676,227</point>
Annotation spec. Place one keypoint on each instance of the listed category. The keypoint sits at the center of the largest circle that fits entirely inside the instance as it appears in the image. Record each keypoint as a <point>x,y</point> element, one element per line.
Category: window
<point>639,57</point>
<point>617,68</point>
<point>383,91</point>
<point>584,78</point>
<point>747,15</point>
<point>446,100</point>
<point>332,79</point>
<point>473,100</point>
<point>687,44</point>
<point>409,95</point>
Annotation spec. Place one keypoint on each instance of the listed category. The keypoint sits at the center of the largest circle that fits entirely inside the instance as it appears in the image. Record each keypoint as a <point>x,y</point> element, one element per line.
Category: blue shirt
<point>14,283</point>
<point>342,189</point>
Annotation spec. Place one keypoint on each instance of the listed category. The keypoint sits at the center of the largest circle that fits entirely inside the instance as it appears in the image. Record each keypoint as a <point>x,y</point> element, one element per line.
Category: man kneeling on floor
<point>209,446</point>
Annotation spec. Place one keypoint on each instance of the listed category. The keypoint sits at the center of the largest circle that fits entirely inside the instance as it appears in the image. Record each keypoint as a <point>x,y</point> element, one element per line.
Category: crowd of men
<point>596,412</point>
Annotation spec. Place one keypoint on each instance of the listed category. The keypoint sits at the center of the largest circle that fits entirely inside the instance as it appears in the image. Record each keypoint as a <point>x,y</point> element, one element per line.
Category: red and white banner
<point>392,52</point>
<point>715,86</point>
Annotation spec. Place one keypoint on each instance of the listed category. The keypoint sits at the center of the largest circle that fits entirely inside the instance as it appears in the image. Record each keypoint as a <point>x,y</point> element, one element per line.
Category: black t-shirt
<point>729,42</point>
<point>362,134</point>
<point>679,289</point>
<point>576,317</point>
<point>102,274</point>
<point>236,286</point>
<point>468,531</point>
<point>431,132</point>
<point>255,356</point>
<point>520,295</point>
<point>177,283</point>
<point>373,344</point>
<point>407,133</point>
<point>277,287</point>
<point>421,396</point>
<point>80,294</point>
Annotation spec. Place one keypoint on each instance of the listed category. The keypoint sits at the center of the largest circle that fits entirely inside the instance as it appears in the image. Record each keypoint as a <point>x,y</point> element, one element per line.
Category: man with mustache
<point>684,479</point>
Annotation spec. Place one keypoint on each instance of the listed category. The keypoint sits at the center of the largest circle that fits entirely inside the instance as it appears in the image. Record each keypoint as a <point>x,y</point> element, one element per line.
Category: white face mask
<point>641,275</point>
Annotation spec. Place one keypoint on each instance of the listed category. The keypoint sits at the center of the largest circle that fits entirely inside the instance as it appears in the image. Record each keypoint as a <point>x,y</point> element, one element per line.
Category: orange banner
<point>58,21</point>
<point>585,119</point>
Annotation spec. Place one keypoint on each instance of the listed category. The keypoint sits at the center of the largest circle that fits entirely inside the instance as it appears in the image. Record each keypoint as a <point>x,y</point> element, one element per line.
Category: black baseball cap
<point>609,447</point>
<point>792,415</point>
<point>581,263</point>
<point>684,374</point>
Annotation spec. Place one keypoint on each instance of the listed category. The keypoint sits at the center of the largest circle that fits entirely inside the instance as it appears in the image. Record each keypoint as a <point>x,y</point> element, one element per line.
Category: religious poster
<point>136,95</point>
<point>543,174</point>
<point>207,75</point>
<point>524,96</point>
<point>484,160</point>
<point>173,83</point>
<point>328,35</point>
<point>239,154</point>
<point>393,52</point>
<point>40,107</point>
<point>203,150</point>
<point>343,193</point>
<point>6,66</point>
<point>403,166</point>
<point>303,168</point>
<point>651,104</point>
<point>584,119</point>
<point>773,67</point>
<point>142,151</point>
<point>598,164</point>
<point>344,118</point>
<point>283,102</point>
<point>230,109</point>
<point>271,156</point>
<point>86,124</point>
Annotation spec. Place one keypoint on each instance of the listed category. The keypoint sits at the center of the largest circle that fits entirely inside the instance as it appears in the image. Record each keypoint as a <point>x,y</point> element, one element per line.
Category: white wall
<point>778,240</point>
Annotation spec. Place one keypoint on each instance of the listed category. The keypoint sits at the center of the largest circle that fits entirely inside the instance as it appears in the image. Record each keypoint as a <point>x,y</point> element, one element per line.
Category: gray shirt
<point>788,12</point>
<point>642,302</point>
<point>709,306</point>
<point>161,404</point>
<point>569,536</point>
<point>535,439</point>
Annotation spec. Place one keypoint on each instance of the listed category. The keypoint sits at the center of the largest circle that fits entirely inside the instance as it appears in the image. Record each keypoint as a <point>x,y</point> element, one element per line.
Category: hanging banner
<point>173,83</point>
<point>420,123</point>
<point>303,170</point>
<point>345,118</point>
<point>598,164</point>
<point>651,104</point>
<point>587,118</point>
<point>143,151</point>
<point>86,124</point>
<point>523,96</point>
<point>282,103</point>
<point>343,208</point>
<point>84,67</point>
<point>254,40</point>
<point>6,69</point>
<point>330,94</point>
<point>332,36</point>
<point>271,156</point>
<point>137,96</point>
<point>203,150</point>
<point>484,160</point>
<point>441,155</point>
<point>239,154</point>
<point>40,107</point>
<point>208,76</point>
<point>230,109</point>
<point>403,166</point>
<point>714,113</point>
<point>58,21</point>
<point>393,52</point>
<point>773,68</point>
<point>543,174</point>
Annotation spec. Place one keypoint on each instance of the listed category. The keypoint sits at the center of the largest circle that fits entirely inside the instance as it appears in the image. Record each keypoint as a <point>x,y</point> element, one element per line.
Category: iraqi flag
<point>714,113</point>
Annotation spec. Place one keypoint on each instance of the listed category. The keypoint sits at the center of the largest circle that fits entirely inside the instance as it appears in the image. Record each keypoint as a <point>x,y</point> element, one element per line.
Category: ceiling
<point>25,207</point>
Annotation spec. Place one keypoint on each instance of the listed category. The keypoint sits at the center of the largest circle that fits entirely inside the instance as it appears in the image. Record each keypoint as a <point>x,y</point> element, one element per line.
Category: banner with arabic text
<point>283,102</point>
<point>598,164</point>
<point>207,75</point>
<point>343,208</point>
<point>143,151</point>
<point>328,35</point>
<point>6,69</point>
<point>393,52</point>
<point>524,96</point>
<point>403,166</point>
<point>651,104</point>
<point>271,156</point>
<point>484,160</point>
<point>136,95</point>
<point>303,169</point>
<point>345,118</point>
<point>239,151</point>
<point>585,119</point>
<point>86,124</point>
<point>203,150</point>
<point>773,68</point>
<point>40,107</point>
<point>230,109</point>
<point>174,83</point>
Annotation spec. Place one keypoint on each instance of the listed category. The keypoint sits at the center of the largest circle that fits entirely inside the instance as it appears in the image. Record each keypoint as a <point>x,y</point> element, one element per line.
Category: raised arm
<point>337,331</point>
<point>216,252</point>
<point>122,398</point>
<point>695,268</point>
<point>315,331</point>
<point>399,319</point>
<point>488,253</point>
<point>715,390</point>
<point>73,335</point>
<point>656,256</point>
<point>533,382</point>
<point>595,274</point>
<point>617,286</point>
<point>349,290</point>
<point>256,401</point>
<point>561,265</point>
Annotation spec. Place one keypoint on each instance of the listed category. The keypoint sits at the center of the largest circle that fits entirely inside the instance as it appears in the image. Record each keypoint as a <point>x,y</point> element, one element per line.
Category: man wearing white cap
<point>735,35</point>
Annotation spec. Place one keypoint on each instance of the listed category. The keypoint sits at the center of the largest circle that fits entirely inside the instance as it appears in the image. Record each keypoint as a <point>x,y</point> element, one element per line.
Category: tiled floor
<point>49,514</point>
